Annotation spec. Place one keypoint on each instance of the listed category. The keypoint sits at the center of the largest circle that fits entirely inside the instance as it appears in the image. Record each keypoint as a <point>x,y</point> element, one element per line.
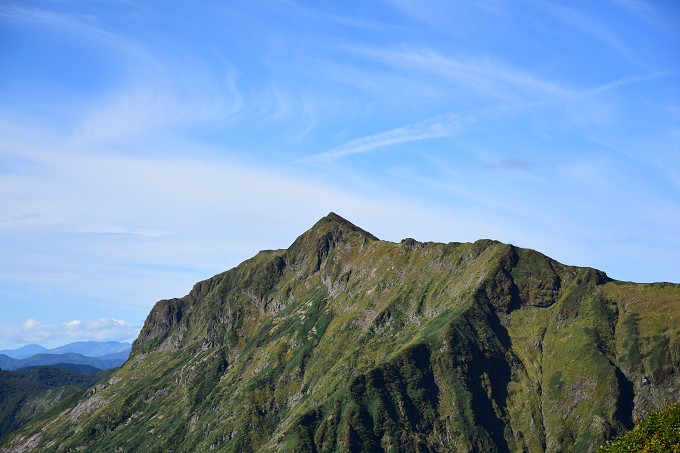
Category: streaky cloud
<point>487,76</point>
<point>586,23</point>
<point>115,230</point>
<point>431,128</point>
<point>85,26</point>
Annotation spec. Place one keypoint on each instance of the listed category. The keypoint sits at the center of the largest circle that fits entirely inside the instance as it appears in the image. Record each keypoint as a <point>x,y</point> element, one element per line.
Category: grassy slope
<point>27,393</point>
<point>345,342</point>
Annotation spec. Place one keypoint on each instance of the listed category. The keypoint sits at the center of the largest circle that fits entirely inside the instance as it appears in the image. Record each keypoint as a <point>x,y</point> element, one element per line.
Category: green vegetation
<point>27,393</point>
<point>343,342</point>
<point>659,433</point>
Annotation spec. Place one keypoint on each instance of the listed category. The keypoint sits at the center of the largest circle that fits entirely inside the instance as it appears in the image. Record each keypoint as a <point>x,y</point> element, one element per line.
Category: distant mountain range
<point>100,355</point>
<point>86,348</point>
<point>35,380</point>
<point>24,351</point>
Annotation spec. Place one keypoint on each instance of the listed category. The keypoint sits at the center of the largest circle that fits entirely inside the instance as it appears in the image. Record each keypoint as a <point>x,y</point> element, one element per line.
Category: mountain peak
<point>337,222</point>
<point>314,245</point>
<point>342,342</point>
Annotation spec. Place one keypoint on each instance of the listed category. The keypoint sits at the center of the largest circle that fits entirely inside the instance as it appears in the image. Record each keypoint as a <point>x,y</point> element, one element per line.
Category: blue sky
<point>147,145</point>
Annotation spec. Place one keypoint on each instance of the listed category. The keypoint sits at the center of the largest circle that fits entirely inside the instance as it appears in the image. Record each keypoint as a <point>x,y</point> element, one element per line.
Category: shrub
<point>660,432</point>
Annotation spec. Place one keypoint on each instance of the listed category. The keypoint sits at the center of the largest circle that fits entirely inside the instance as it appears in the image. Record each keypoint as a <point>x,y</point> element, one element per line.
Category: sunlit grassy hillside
<point>344,342</point>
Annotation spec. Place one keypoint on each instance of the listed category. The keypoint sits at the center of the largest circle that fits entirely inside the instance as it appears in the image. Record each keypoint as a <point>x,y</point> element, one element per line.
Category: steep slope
<point>28,393</point>
<point>345,342</point>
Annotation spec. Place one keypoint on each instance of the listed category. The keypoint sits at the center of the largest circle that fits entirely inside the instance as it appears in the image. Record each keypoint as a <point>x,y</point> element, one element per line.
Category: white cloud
<point>31,324</point>
<point>586,23</point>
<point>85,26</point>
<point>55,334</point>
<point>487,76</point>
<point>119,230</point>
<point>154,100</point>
<point>438,127</point>
<point>152,88</point>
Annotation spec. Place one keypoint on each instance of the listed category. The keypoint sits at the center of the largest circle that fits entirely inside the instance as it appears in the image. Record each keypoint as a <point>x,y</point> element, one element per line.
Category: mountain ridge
<point>101,362</point>
<point>345,342</point>
<point>24,351</point>
<point>86,348</point>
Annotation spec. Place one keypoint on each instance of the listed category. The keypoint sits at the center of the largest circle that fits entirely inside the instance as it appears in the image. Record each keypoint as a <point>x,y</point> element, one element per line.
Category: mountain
<point>92,348</point>
<point>72,367</point>
<point>29,393</point>
<point>97,354</point>
<point>86,348</point>
<point>344,342</point>
<point>115,357</point>
<point>102,363</point>
<point>24,351</point>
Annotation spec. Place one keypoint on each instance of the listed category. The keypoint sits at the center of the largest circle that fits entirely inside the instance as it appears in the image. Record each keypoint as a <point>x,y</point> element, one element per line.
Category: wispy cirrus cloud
<point>155,100</point>
<point>516,88</point>
<point>586,23</point>
<point>431,128</point>
<point>84,25</point>
<point>117,230</point>
<point>662,16</point>
<point>152,88</point>
<point>581,20</point>
<point>486,76</point>
<point>450,17</point>
<point>638,6</point>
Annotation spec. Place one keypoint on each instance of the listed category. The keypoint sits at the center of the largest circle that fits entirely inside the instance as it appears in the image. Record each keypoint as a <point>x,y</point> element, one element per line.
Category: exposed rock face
<point>344,342</point>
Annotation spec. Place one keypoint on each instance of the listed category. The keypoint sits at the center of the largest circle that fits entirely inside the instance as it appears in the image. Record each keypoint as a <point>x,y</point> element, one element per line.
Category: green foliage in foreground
<point>659,433</point>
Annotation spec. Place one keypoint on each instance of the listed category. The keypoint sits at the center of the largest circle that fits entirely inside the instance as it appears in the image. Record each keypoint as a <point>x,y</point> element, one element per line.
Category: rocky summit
<point>344,342</point>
